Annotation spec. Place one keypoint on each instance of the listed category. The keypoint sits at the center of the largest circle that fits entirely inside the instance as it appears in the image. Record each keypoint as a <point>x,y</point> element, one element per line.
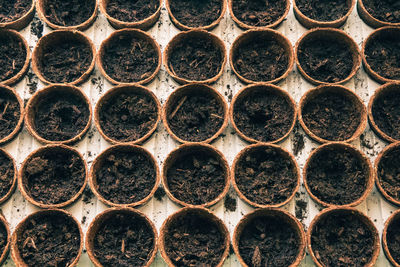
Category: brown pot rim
<point>284,41</point>
<point>17,77</point>
<point>353,47</point>
<point>313,23</point>
<point>116,90</point>
<point>43,41</point>
<point>189,146</point>
<point>188,89</point>
<point>184,27</point>
<point>130,31</point>
<point>143,24</point>
<point>216,40</point>
<point>21,182</point>
<point>14,180</point>
<point>370,180</point>
<point>98,162</point>
<point>204,212</point>
<point>314,92</point>
<point>385,246</point>
<point>277,212</point>
<point>355,212</point>
<point>21,22</point>
<point>245,26</point>
<point>367,67</point>
<point>81,27</point>
<point>4,254</point>
<point>18,127</point>
<point>92,231</point>
<point>35,100</point>
<point>378,92</point>
<point>378,160</point>
<point>248,149</point>
<point>254,87</point>
<point>369,19</point>
<point>15,254</point>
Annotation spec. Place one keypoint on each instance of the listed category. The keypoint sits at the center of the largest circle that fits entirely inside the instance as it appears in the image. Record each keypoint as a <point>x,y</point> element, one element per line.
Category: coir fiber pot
<point>390,237</point>
<point>22,20</point>
<point>371,19</point>
<point>8,182</point>
<point>5,234</point>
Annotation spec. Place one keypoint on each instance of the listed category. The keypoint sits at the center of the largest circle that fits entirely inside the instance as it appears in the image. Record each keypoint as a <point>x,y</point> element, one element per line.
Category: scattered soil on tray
<point>61,116</point>
<point>342,239</point>
<point>129,59</point>
<point>54,177</point>
<point>264,116</point>
<point>265,176</point>
<point>301,209</point>
<point>384,10</point>
<point>196,177</point>
<point>49,240</point>
<point>195,117</point>
<point>65,61</point>
<point>124,240</point>
<point>269,241</point>
<point>331,116</point>
<point>389,173</point>
<point>128,116</point>
<point>325,10</point>
<point>69,12</point>
<point>325,59</point>
<point>194,13</point>
<point>11,10</point>
<point>298,140</point>
<point>195,58</point>
<point>125,177</point>
<point>192,240</point>
<point>230,203</point>
<point>383,55</point>
<point>3,238</point>
<point>160,193</point>
<point>258,13</point>
<point>132,11</point>
<point>37,27</point>
<point>6,175</point>
<point>260,59</point>
<point>386,113</point>
<point>12,56</point>
<point>336,176</point>
<point>393,239</point>
<point>10,113</point>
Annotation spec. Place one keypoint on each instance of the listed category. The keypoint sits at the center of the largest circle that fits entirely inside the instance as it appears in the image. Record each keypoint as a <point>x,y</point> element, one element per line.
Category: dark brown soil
<point>192,240</point>
<point>132,11</point>
<point>128,116</point>
<point>389,173</point>
<point>323,10</point>
<point>336,176</point>
<point>125,177</point>
<point>196,177</point>
<point>6,176</point>
<point>269,241</point>
<point>194,13</point>
<point>383,55</point>
<point>258,13</point>
<point>230,203</point>
<point>325,59</point>
<point>263,115</point>
<point>12,56</point>
<point>384,10</point>
<point>65,61</point>
<point>11,10</point>
<point>260,59</point>
<point>49,240</point>
<point>331,116</point>
<point>69,12</point>
<point>129,59</point>
<point>342,239</point>
<point>124,240</point>
<point>3,238</point>
<point>265,176</point>
<point>61,116</point>
<point>195,117</point>
<point>195,58</point>
<point>386,113</point>
<point>10,113</point>
<point>393,239</point>
<point>160,193</point>
<point>54,177</point>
